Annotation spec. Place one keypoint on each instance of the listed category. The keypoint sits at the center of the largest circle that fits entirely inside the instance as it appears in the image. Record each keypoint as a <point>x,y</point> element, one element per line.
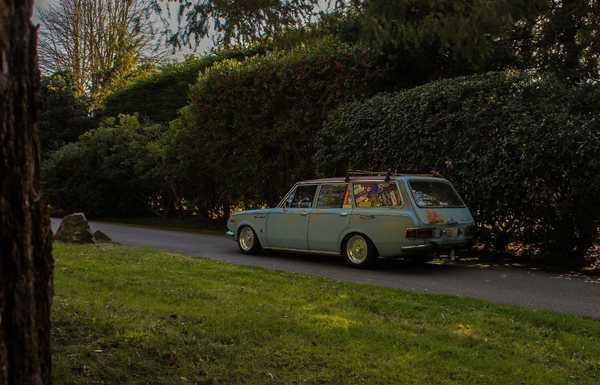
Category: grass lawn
<point>127,315</point>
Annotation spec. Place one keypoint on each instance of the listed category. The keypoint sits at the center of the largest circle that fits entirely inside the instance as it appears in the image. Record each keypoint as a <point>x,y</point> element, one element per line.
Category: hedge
<point>158,96</point>
<point>113,170</point>
<point>249,130</point>
<point>522,150</point>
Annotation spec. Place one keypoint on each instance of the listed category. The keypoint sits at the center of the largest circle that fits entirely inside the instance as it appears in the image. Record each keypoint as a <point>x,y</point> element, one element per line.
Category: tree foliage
<point>561,37</point>
<point>64,115</point>
<point>521,150</point>
<point>159,95</point>
<point>96,41</point>
<point>237,22</point>
<point>473,36</point>
<point>466,31</point>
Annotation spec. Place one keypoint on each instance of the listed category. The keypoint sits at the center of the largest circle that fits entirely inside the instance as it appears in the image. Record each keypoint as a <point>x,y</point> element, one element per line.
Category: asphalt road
<point>522,287</point>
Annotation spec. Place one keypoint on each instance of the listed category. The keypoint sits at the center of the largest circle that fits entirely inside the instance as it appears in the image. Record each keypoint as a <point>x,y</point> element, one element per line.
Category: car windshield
<point>434,194</point>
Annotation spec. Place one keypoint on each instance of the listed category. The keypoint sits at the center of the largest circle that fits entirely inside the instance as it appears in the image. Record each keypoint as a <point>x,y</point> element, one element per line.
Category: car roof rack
<point>388,174</point>
<point>352,172</point>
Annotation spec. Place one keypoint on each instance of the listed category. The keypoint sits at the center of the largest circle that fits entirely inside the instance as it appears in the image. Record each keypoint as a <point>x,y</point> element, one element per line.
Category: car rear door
<point>330,218</point>
<point>381,214</point>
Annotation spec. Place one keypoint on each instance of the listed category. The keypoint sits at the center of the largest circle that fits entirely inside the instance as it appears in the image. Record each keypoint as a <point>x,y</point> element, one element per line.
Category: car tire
<point>359,251</point>
<point>248,241</point>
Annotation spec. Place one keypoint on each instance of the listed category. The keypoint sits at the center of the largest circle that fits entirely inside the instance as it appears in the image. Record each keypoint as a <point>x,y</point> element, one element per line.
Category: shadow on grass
<point>333,261</point>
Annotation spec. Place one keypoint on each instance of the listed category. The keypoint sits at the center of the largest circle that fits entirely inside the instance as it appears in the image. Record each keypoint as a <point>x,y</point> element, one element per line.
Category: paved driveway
<point>532,289</point>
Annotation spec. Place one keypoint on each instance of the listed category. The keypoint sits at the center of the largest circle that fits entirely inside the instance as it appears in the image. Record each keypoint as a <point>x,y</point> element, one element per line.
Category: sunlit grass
<point>136,316</point>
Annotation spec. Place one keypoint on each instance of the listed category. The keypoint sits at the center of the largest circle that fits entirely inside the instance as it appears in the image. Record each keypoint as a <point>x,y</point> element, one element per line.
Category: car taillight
<point>423,233</point>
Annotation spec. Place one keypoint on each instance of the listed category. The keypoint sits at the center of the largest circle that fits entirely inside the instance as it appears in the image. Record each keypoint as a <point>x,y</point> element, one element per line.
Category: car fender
<point>352,230</point>
<point>257,226</point>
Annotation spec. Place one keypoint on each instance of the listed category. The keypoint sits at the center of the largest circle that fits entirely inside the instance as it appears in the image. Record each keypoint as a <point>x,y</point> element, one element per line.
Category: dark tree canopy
<point>548,35</point>
<point>477,35</point>
<point>64,114</point>
<point>562,37</point>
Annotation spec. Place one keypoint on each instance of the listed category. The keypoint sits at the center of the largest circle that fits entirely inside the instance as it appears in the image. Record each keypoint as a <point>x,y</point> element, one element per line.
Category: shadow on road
<point>328,261</point>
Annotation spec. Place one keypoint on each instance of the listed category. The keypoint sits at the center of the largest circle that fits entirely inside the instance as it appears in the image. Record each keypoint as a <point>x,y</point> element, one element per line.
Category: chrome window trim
<point>285,197</point>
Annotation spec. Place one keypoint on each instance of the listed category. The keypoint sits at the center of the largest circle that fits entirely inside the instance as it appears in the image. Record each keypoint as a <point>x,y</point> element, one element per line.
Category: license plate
<point>452,232</point>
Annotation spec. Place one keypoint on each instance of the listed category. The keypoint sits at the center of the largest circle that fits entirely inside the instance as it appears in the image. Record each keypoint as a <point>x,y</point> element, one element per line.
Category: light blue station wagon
<point>362,218</point>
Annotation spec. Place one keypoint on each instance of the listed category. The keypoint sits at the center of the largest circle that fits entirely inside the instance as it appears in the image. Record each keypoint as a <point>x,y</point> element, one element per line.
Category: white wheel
<point>358,251</point>
<point>247,241</point>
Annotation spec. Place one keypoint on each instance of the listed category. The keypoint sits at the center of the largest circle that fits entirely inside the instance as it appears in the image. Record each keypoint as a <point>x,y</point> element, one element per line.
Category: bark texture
<point>25,237</point>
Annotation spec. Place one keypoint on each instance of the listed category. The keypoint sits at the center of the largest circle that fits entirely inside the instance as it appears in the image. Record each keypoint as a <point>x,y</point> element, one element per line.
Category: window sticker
<point>373,194</point>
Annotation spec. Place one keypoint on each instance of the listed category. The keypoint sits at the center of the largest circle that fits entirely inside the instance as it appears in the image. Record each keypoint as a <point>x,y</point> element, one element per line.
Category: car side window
<point>334,196</point>
<point>303,197</point>
<point>376,194</point>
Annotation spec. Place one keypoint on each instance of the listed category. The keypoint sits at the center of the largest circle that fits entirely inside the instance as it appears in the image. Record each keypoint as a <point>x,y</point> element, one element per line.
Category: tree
<point>25,237</point>
<point>478,35</point>
<point>234,22</point>
<point>561,37</point>
<point>64,115</point>
<point>97,41</point>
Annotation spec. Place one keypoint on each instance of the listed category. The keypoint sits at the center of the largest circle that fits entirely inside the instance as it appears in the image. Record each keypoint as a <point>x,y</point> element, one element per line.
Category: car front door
<point>330,217</point>
<point>287,227</point>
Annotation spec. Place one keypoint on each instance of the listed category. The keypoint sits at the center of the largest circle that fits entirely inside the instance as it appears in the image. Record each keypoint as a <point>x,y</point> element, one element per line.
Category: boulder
<point>100,237</point>
<point>74,228</point>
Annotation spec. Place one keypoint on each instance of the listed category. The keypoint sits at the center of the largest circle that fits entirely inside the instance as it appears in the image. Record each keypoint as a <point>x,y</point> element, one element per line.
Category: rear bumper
<point>433,247</point>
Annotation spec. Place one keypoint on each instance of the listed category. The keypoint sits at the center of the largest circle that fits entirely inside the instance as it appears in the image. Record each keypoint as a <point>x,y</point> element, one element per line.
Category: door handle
<point>304,213</point>
<point>367,216</point>
<point>259,216</point>
<point>344,214</point>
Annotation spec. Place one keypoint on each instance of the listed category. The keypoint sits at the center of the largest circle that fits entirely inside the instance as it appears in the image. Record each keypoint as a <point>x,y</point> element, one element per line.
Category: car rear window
<point>333,196</point>
<point>434,194</point>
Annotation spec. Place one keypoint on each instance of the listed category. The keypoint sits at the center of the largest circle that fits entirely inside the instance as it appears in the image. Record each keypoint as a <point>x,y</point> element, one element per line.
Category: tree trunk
<point>25,237</point>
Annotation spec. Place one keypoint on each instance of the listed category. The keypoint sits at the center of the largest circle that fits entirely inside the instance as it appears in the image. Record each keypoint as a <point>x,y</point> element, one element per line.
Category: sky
<point>38,4</point>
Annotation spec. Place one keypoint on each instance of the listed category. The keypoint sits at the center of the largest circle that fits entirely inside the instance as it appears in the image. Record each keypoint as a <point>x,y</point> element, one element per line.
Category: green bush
<point>522,150</point>
<point>158,96</point>
<point>113,170</point>
<point>248,133</point>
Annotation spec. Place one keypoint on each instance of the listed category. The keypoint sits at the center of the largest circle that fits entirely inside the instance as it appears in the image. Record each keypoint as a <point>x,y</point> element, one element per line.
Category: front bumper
<point>230,234</point>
